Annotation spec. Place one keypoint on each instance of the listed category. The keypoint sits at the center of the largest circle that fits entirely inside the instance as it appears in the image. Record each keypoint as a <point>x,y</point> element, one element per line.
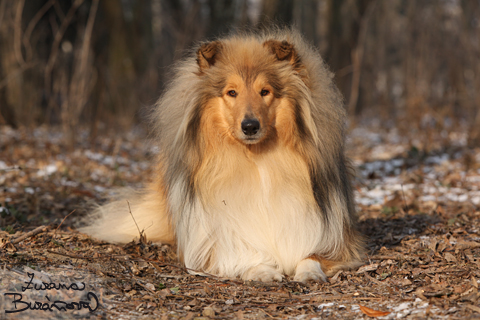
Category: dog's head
<point>247,94</point>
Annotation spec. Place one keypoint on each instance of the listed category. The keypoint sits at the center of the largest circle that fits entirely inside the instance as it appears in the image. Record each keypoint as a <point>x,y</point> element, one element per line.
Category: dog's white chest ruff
<point>256,219</point>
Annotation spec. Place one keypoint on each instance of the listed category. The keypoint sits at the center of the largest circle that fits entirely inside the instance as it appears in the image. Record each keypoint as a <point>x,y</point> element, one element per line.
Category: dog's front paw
<point>309,269</point>
<point>262,273</point>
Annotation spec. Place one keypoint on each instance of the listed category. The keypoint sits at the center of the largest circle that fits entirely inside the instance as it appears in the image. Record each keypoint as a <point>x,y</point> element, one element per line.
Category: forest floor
<point>419,208</point>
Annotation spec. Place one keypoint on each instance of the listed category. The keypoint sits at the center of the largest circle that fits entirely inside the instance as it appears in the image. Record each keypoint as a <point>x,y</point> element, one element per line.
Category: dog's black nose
<point>250,126</point>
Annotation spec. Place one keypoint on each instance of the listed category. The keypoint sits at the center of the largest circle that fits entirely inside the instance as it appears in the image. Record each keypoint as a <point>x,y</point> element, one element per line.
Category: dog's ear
<point>208,54</point>
<point>284,51</point>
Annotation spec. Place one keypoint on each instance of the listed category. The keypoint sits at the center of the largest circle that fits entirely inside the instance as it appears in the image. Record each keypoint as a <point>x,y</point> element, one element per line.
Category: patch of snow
<point>402,306</point>
<point>68,183</point>
<point>437,159</point>
<point>468,179</point>
<point>476,200</point>
<point>355,308</point>
<point>123,160</point>
<point>29,190</point>
<point>326,305</point>
<point>3,165</point>
<point>428,198</point>
<point>48,170</point>
<point>109,160</point>
<point>99,189</point>
<point>93,155</point>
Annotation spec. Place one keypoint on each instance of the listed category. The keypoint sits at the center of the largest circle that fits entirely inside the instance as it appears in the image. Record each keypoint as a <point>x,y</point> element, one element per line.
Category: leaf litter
<point>419,212</point>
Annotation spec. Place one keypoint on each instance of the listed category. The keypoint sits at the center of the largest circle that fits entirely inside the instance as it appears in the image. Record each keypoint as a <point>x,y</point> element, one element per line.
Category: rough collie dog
<point>252,179</point>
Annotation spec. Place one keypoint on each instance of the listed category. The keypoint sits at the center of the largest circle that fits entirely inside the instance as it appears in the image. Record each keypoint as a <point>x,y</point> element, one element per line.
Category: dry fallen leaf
<point>404,282</point>
<point>336,276</point>
<point>472,307</point>
<point>435,290</point>
<point>370,267</point>
<point>442,246</point>
<point>462,245</point>
<point>433,245</point>
<point>450,257</point>
<point>208,312</point>
<point>373,313</point>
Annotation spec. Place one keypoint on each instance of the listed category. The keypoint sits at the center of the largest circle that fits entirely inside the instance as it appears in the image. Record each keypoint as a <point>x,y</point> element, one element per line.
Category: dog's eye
<point>232,93</point>
<point>264,92</point>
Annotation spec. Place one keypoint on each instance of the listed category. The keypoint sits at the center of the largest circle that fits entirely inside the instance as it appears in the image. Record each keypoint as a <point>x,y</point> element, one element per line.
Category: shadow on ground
<point>382,232</point>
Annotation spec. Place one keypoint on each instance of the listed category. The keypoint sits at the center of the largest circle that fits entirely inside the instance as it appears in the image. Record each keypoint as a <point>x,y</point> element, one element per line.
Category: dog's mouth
<point>249,139</point>
<point>252,140</point>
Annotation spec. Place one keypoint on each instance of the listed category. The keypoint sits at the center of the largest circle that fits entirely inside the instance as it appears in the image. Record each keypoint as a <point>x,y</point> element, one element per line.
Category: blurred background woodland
<point>413,65</point>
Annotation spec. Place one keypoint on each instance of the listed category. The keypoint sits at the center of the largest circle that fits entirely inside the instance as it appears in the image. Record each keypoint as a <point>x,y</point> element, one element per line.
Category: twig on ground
<point>143,237</point>
<point>268,314</point>
<point>55,232</point>
<point>187,270</point>
<point>13,168</point>
<point>27,235</point>
<point>69,255</point>
<point>373,279</point>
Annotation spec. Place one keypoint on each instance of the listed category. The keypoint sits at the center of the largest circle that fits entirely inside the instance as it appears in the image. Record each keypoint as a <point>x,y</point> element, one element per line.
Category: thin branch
<point>3,4</point>
<point>19,168</point>
<point>58,10</point>
<point>27,235</point>
<point>31,26</point>
<point>79,90</point>
<point>70,255</point>
<point>130,210</point>
<point>56,43</point>
<point>88,36</point>
<point>17,33</point>
<point>54,233</point>
<point>357,59</point>
<point>188,270</point>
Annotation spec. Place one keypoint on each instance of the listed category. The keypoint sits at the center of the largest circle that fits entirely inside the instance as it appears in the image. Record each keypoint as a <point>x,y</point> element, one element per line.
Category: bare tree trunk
<point>81,83</point>
<point>11,77</point>
<point>344,27</point>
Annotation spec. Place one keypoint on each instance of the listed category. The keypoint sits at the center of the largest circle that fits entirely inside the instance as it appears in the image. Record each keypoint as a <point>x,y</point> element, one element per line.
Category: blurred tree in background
<point>410,64</point>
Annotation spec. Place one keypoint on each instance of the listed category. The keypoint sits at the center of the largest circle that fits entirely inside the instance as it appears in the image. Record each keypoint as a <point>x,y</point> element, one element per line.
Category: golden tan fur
<point>252,179</point>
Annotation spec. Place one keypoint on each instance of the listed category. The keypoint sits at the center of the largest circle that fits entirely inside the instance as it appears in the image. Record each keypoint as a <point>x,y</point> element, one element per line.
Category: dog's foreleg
<point>309,269</point>
<point>262,272</point>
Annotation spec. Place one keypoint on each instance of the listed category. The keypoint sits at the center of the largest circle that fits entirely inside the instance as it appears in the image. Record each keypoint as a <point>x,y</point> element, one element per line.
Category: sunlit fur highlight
<point>237,208</point>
